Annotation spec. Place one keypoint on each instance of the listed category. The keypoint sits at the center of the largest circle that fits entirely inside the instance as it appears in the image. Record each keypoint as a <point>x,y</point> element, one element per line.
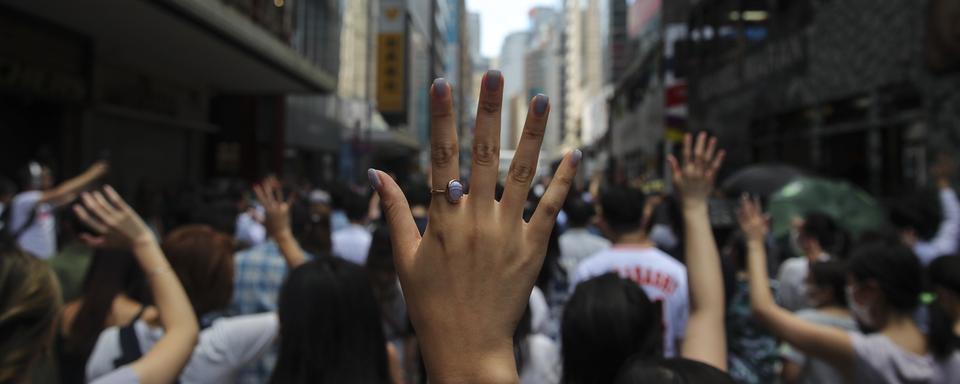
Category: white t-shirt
<point>662,278</point>
<point>40,238</point>
<point>352,243</point>
<point>578,244</point>
<point>541,361</point>
<point>223,348</point>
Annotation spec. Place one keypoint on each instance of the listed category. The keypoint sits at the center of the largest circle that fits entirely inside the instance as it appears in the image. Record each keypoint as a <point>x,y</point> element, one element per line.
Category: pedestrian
<point>820,238</point>
<point>635,257</point>
<point>883,289</point>
<point>577,243</point>
<point>353,242</point>
<point>32,221</point>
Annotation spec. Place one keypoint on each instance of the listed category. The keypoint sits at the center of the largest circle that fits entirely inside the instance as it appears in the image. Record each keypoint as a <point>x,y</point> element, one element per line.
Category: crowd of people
<point>480,280</point>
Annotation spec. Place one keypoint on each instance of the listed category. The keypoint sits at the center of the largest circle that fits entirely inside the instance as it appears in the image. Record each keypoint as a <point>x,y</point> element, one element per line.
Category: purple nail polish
<point>374,178</point>
<point>440,87</point>
<point>576,157</point>
<point>540,103</point>
<point>493,80</point>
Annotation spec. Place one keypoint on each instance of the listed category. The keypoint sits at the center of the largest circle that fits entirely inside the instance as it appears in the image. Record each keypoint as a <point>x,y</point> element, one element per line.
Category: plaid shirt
<point>259,274</point>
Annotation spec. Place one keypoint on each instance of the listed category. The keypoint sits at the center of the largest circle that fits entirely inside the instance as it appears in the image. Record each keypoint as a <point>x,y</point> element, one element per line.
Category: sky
<point>500,17</point>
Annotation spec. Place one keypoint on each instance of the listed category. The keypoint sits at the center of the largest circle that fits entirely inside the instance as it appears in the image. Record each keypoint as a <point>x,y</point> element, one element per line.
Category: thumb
<point>403,230</point>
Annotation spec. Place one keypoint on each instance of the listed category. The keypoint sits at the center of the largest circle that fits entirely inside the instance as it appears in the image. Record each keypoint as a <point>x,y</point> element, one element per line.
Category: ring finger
<point>444,150</point>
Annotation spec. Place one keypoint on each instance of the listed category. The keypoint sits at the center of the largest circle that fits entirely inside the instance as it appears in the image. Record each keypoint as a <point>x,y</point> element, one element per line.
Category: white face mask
<point>860,312</point>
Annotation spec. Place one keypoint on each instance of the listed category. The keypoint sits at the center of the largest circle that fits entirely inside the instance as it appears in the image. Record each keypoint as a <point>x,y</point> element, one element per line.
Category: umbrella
<point>852,207</point>
<point>762,179</point>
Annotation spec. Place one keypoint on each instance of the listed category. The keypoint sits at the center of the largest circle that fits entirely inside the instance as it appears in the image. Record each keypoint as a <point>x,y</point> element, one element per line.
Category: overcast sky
<point>500,17</point>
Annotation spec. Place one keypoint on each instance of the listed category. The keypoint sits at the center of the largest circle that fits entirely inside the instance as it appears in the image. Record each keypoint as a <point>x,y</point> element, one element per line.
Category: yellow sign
<point>390,73</point>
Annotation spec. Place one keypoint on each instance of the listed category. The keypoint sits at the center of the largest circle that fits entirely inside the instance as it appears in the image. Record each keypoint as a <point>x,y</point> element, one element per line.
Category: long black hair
<point>944,273</point>
<point>607,320</point>
<point>641,369</point>
<point>330,329</point>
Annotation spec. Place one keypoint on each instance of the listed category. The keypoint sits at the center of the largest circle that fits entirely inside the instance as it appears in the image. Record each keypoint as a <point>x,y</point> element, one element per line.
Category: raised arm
<point>468,279</point>
<point>67,191</point>
<point>120,227</point>
<point>705,338</point>
<point>826,343</point>
<point>278,222</point>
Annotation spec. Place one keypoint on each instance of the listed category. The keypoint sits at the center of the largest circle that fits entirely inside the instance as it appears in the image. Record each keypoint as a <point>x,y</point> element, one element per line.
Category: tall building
<point>174,91</point>
<point>512,64</point>
<point>588,70</point>
<point>544,72</point>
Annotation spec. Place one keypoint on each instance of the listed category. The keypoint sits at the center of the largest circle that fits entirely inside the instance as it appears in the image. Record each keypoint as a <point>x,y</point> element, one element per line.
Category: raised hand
<point>468,279</point>
<point>695,177</point>
<point>275,207</point>
<point>752,221</point>
<point>118,225</point>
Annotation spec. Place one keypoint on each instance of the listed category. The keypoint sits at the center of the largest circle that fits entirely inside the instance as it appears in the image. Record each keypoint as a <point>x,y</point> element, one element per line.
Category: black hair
<point>831,275</point>
<point>383,279</point>
<point>311,231</point>
<point>7,187</point>
<point>330,329</point>
<point>823,228</point>
<point>607,320</point>
<point>641,369</point>
<point>111,273</point>
<point>551,271</point>
<point>896,270</point>
<point>579,212</point>
<point>355,206</point>
<point>920,212</point>
<point>944,273</point>
<point>622,208</point>
<point>416,191</point>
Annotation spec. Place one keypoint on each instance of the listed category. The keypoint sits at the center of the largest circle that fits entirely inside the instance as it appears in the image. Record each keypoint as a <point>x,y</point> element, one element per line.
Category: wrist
<point>447,362</point>
<point>694,205</point>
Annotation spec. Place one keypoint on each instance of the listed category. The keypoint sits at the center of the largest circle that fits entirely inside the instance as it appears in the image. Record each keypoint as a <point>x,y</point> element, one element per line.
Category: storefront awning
<point>203,42</point>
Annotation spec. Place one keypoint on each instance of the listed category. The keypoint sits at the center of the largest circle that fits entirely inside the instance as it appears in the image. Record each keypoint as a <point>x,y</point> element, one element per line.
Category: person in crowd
<point>577,243</point>
<point>119,228</point>
<point>353,242</point>
<point>820,238</point>
<point>641,370</point>
<point>634,256</point>
<point>607,320</point>
<point>386,288</point>
<point>202,258</point>
<point>260,271</point>
<point>929,222</point>
<point>537,355</point>
<point>883,288</point>
<point>825,291</point>
<point>31,221</point>
<point>114,293</point>
<point>753,356</point>
<point>944,326</point>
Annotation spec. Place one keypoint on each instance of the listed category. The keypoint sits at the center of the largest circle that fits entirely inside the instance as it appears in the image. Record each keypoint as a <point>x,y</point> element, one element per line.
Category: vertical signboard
<point>391,60</point>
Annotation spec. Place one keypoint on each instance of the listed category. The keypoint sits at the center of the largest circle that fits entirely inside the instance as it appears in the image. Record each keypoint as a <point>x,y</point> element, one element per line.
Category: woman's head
<point>110,273</point>
<point>644,370</point>
<point>29,307</point>
<point>944,275</point>
<point>826,282</point>
<point>883,278</point>
<point>607,320</point>
<point>202,257</point>
<point>330,330</point>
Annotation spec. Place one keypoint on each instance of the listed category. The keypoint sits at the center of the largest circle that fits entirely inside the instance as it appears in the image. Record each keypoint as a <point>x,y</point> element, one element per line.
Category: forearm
<point>67,191</point>
<point>448,362</point>
<point>703,260</point>
<point>761,299</point>
<point>290,249</point>
<point>171,300</point>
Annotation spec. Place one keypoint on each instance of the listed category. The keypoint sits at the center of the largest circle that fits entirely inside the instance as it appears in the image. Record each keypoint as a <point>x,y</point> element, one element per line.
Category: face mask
<point>860,312</point>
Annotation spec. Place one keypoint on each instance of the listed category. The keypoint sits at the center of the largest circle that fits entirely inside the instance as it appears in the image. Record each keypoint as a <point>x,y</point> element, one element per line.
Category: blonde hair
<point>30,305</point>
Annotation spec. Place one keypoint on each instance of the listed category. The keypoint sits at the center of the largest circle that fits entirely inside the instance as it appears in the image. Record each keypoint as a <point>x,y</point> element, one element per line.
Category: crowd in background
<point>286,282</point>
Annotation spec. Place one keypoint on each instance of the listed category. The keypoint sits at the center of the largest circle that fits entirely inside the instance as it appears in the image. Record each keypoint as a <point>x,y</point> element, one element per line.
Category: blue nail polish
<point>540,104</point>
<point>493,80</point>
<point>440,87</point>
<point>576,157</point>
<point>374,178</point>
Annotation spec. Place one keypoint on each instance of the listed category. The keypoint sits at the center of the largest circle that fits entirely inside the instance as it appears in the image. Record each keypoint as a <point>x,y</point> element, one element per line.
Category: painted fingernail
<point>540,103</point>
<point>440,87</point>
<point>374,177</point>
<point>493,80</point>
<point>576,157</point>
